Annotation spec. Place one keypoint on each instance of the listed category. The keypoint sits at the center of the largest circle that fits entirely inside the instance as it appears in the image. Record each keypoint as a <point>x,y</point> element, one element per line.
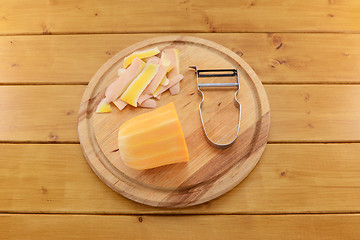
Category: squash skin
<point>140,54</point>
<point>136,88</point>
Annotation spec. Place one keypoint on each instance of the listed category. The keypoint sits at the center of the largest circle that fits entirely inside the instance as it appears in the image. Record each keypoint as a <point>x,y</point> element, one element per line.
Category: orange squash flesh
<point>153,139</point>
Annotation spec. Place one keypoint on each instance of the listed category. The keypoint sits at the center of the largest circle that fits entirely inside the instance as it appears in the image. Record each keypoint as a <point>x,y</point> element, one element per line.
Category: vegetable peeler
<point>217,73</point>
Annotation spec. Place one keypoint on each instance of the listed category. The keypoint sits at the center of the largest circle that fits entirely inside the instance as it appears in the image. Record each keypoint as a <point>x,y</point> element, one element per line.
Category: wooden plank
<point>320,113</point>
<point>181,227</point>
<point>276,58</point>
<point>39,113</point>
<point>54,17</point>
<point>314,113</point>
<point>290,178</point>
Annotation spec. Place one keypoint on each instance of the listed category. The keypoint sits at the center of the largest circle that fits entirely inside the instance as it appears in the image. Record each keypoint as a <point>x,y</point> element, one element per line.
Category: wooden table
<point>306,185</point>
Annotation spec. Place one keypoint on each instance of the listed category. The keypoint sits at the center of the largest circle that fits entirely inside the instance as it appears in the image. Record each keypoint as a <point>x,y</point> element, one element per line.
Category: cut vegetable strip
<point>143,97</point>
<point>121,71</point>
<point>154,59</point>
<point>154,84</point>
<point>138,82</point>
<point>172,82</point>
<point>170,68</point>
<point>175,89</point>
<point>120,104</point>
<point>141,54</point>
<point>121,84</point>
<point>103,107</point>
<point>174,58</point>
<point>165,81</point>
<point>159,141</point>
<point>133,92</point>
<point>149,103</point>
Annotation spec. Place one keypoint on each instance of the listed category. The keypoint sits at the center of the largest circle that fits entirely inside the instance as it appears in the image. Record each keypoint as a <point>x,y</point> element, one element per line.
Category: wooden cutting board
<point>210,172</point>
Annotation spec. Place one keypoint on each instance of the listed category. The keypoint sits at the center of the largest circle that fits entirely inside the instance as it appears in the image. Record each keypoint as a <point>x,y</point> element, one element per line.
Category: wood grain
<point>276,58</point>
<point>40,226</point>
<point>39,113</point>
<point>210,171</point>
<point>313,110</point>
<point>306,46</point>
<point>289,178</point>
<point>308,112</point>
<point>54,17</point>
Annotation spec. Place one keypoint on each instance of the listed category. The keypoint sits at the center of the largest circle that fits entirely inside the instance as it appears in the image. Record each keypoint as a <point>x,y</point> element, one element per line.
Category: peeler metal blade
<point>218,73</point>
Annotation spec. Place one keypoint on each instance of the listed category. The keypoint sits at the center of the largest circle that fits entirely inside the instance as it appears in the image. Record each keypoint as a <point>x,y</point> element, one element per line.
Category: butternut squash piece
<point>153,59</point>
<point>140,54</point>
<point>172,82</point>
<point>124,80</point>
<point>121,71</point>
<point>148,103</point>
<point>120,104</point>
<point>103,107</point>
<point>143,97</point>
<point>153,139</point>
<point>164,66</point>
<point>165,81</point>
<point>173,55</point>
<point>132,94</point>
<point>174,90</point>
<point>170,68</point>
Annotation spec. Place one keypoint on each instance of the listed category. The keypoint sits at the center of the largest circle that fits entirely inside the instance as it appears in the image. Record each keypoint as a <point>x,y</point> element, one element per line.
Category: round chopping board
<point>211,171</point>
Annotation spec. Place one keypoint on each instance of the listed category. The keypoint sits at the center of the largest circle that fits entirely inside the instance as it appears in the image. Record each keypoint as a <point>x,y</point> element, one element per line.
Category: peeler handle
<point>199,85</point>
